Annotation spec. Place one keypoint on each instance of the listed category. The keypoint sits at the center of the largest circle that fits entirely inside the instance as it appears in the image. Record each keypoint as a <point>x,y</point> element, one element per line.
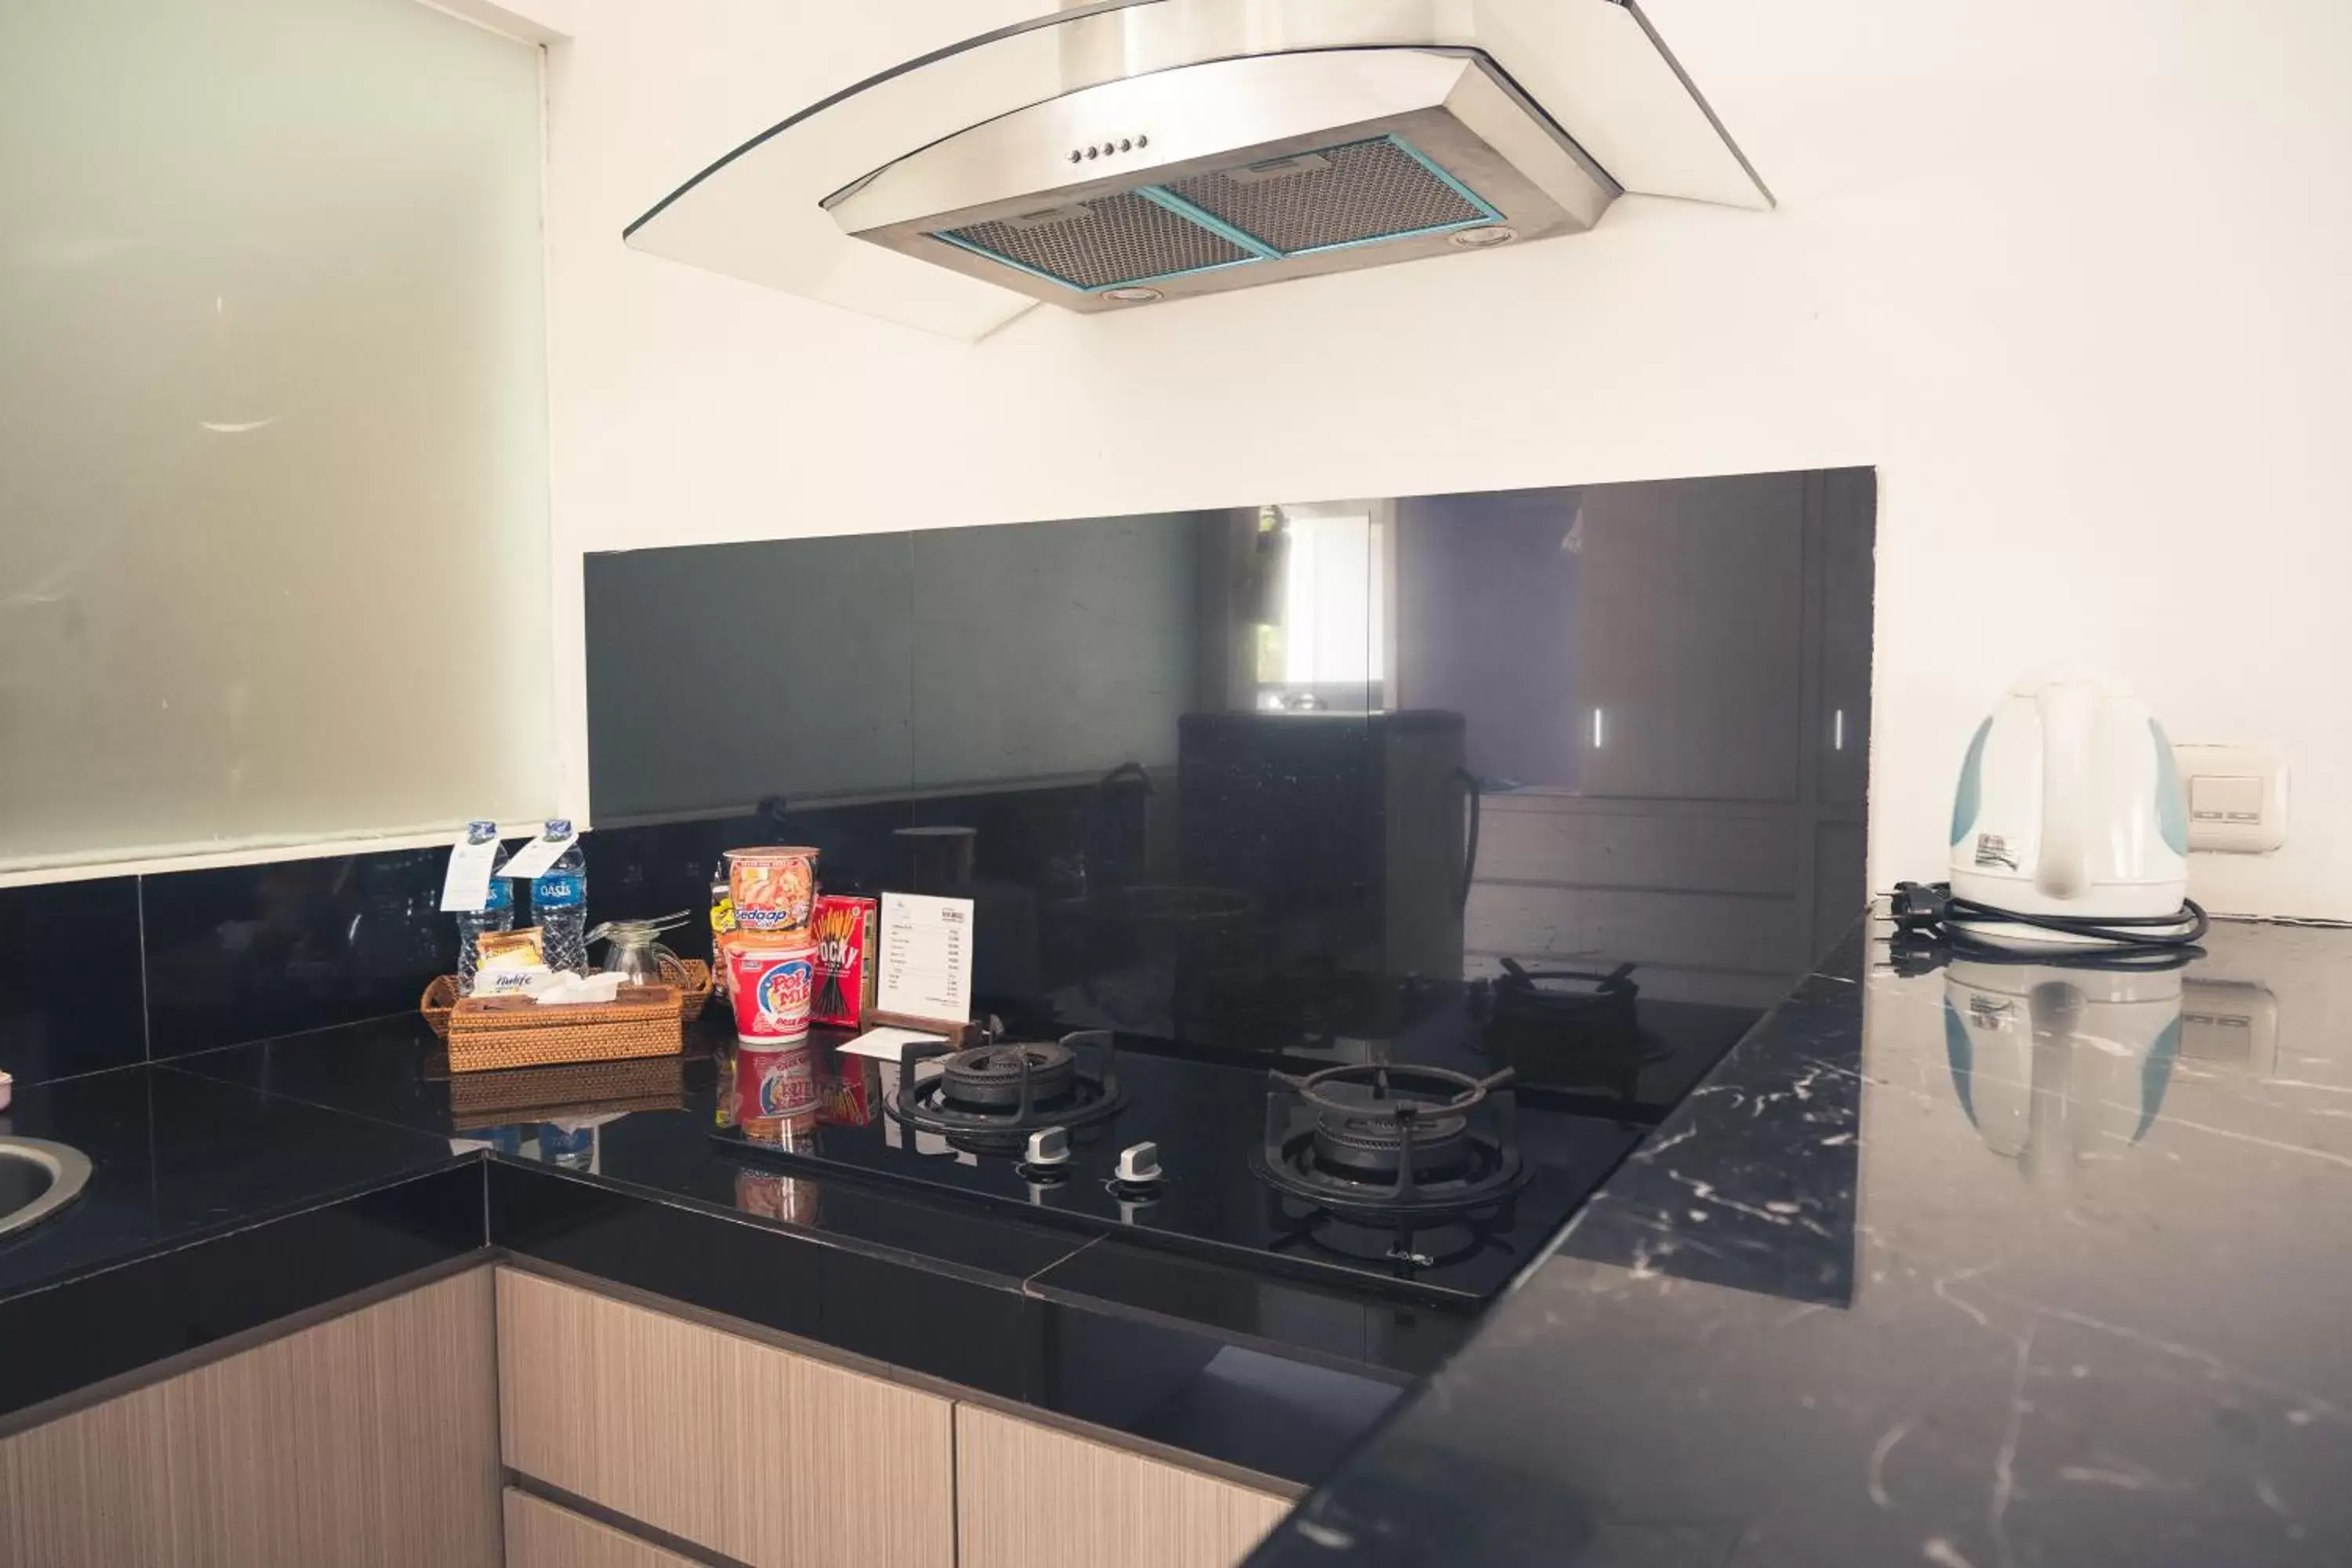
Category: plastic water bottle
<point>559,903</point>
<point>498,914</point>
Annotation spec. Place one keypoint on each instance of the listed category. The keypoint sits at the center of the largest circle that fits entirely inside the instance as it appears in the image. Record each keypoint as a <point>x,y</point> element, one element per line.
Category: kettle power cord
<point>1931,910</point>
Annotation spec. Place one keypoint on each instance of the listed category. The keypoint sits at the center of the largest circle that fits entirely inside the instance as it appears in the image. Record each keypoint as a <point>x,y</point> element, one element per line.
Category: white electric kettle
<point>2069,827</point>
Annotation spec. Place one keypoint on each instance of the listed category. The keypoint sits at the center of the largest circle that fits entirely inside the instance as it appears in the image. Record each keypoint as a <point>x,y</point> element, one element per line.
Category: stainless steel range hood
<point>1115,154</point>
<point>1233,174</point>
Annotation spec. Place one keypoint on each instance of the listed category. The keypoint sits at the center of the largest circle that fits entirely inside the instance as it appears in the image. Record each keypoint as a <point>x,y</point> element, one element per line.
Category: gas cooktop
<point>1412,1180</point>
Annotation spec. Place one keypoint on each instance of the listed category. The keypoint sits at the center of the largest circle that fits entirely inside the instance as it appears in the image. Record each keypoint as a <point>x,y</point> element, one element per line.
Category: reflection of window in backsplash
<point>1331,645</point>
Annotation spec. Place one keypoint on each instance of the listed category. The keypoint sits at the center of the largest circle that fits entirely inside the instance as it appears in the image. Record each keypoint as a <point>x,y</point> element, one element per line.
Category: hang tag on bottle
<point>537,855</point>
<point>467,888</point>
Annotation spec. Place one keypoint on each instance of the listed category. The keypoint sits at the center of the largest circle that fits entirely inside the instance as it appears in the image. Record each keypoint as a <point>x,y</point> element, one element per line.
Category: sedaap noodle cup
<point>774,888</point>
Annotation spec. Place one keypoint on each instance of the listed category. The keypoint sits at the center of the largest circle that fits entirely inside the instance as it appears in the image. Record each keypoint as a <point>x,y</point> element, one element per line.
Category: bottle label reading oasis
<point>559,890</point>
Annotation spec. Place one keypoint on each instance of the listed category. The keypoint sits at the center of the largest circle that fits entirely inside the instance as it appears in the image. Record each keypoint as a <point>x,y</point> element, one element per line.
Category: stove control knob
<point>1138,1164</point>
<point>1050,1146</point>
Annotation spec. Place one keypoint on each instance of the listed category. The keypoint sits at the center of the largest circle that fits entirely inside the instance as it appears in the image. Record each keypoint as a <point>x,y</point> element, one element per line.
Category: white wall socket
<point>2237,797</point>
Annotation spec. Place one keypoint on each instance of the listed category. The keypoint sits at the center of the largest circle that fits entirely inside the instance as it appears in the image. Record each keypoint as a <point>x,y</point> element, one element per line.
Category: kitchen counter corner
<point>1922,1273</point>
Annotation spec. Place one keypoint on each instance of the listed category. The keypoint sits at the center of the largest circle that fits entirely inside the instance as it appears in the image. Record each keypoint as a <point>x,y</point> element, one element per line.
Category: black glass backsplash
<point>113,971</point>
<point>70,984</point>
<point>242,952</point>
<point>1292,780</point>
<point>1303,780</point>
<point>110,972</point>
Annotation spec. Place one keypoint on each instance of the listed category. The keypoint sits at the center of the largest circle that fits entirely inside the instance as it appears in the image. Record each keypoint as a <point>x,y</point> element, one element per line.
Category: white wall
<point>2073,280</point>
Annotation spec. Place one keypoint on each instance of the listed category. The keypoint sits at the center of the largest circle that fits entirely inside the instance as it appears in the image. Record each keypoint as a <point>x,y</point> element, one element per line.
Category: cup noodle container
<point>774,888</point>
<point>771,983</point>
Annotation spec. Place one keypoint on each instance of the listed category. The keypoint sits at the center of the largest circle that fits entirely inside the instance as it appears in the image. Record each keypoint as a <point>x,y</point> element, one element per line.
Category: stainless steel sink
<point>36,1180</point>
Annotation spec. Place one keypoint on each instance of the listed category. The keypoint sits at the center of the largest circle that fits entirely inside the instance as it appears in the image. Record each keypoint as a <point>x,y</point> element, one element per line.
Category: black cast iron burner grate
<point>1402,1145</point>
<point>1003,1092</point>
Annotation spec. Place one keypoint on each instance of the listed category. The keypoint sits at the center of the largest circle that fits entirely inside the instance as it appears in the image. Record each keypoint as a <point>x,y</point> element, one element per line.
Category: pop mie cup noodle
<point>774,888</point>
<point>771,985</point>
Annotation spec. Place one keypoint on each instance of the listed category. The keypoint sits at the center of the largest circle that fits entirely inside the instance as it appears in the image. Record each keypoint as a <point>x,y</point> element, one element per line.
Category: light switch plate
<point>2237,797</point>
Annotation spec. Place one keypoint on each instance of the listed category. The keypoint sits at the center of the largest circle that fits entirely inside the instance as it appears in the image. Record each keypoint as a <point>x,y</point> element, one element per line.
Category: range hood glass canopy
<point>795,207</point>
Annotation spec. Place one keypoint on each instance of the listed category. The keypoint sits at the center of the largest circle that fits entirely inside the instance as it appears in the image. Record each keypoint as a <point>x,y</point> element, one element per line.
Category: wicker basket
<point>690,975</point>
<point>488,1032</point>
<point>692,978</point>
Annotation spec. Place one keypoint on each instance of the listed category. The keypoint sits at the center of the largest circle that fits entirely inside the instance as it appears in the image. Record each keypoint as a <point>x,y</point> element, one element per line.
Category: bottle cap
<point>558,827</point>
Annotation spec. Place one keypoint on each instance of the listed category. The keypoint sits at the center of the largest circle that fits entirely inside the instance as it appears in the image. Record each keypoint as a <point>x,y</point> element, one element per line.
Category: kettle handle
<point>2068,711</point>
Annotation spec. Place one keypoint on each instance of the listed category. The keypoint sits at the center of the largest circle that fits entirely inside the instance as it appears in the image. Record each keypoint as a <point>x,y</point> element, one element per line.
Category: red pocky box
<point>845,930</point>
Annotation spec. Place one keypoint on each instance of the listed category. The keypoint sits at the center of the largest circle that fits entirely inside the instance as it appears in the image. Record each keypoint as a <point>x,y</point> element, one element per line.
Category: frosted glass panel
<point>273,454</point>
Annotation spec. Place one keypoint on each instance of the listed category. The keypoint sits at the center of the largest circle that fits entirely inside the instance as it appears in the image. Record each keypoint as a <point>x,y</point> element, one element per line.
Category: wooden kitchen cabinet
<point>89,1489</point>
<point>376,1438</point>
<point>370,1439</point>
<point>541,1535</point>
<point>748,1451</point>
<point>1031,1496</point>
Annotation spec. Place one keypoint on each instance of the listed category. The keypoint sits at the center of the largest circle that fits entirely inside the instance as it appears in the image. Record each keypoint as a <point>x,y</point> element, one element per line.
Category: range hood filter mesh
<point>1359,193</point>
<point>1342,195</point>
<point>1101,243</point>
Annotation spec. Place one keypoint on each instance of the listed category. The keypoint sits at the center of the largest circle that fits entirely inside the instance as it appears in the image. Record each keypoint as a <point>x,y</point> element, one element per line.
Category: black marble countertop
<point>176,1159</point>
<point>1977,1268</point>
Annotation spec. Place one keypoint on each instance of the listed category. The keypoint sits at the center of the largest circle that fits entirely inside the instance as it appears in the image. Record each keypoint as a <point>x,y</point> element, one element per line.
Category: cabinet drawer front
<point>541,1535</point>
<point>366,1440</point>
<point>90,1489</point>
<point>1108,1505</point>
<point>749,1451</point>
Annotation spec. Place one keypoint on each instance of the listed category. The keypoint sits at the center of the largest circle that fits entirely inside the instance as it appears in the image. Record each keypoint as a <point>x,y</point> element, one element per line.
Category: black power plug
<point>1918,906</point>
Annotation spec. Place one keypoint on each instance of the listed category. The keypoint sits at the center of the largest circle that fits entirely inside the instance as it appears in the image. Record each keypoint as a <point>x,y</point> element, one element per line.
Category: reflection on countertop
<point>1594,1041</point>
<point>611,1169</point>
<point>641,1125</point>
<point>1985,1265</point>
<point>236,1187</point>
<point>173,1160</point>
